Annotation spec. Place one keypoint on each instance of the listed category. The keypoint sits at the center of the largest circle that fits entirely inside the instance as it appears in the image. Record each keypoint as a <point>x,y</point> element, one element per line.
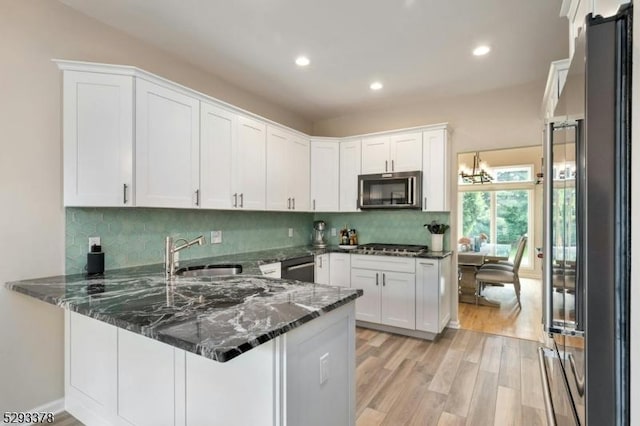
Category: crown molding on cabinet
<point>71,65</point>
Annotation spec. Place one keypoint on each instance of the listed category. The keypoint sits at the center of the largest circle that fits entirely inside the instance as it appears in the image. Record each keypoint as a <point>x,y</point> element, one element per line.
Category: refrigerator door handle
<point>547,276</point>
<point>578,379</point>
<point>548,403</point>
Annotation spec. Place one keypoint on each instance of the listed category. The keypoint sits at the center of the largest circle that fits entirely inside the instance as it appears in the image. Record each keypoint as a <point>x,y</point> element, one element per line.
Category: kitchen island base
<point>303,377</point>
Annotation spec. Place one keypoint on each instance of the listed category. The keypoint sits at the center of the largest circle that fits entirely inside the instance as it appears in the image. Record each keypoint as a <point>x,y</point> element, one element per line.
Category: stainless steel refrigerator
<point>585,364</point>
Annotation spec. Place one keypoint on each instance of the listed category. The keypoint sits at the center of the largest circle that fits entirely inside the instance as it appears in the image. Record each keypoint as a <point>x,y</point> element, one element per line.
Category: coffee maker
<point>318,234</point>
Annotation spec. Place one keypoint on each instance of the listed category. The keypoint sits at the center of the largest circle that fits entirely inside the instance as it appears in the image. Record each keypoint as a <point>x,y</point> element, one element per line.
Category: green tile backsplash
<point>380,226</point>
<point>136,236</point>
<point>132,237</point>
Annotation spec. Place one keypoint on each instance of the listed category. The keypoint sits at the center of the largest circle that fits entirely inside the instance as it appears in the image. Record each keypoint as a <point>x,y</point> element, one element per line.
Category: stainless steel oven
<point>390,191</point>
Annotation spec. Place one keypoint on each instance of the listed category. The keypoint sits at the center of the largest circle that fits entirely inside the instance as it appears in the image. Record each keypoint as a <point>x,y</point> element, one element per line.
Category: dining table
<point>468,264</point>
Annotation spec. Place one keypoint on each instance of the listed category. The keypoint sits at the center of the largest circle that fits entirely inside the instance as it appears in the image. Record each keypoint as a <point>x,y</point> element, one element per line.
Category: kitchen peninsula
<point>232,350</point>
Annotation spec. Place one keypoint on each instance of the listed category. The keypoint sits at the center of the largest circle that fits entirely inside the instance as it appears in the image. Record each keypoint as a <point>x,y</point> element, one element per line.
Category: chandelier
<point>478,174</point>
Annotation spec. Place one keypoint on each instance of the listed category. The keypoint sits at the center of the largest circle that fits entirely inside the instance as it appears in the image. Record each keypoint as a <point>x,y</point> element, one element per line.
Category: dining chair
<point>502,273</point>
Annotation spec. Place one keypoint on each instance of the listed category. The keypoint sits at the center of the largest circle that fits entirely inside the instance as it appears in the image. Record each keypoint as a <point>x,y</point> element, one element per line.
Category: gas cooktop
<point>397,249</point>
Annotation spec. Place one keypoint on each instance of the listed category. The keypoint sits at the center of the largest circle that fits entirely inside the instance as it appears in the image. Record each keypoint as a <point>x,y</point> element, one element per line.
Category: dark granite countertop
<point>218,318</point>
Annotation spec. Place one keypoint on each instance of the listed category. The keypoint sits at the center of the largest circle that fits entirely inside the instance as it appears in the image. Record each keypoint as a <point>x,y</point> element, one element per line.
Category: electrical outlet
<point>216,237</point>
<point>324,368</point>
<point>290,232</point>
<point>333,232</point>
<point>94,241</point>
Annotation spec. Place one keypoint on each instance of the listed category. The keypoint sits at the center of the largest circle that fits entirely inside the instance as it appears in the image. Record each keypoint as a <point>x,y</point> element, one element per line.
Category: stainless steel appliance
<point>299,268</point>
<point>585,366</point>
<point>319,240</point>
<point>390,191</point>
<point>396,249</point>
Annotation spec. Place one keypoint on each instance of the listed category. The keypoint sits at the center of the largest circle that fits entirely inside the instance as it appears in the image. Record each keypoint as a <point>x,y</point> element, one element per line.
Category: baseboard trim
<point>454,324</point>
<point>397,330</point>
<point>55,407</point>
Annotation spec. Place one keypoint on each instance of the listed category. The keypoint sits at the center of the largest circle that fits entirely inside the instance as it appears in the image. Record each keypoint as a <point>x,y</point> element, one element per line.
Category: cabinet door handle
<point>242,199</point>
<point>376,278</point>
<point>314,204</point>
<point>320,261</point>
<point>393,167</point>
<point>235,200</point>
<point>288,203</point>
<point>293,203</point>
<point>124,193</point>
<point>384,281</point>
<point>425,203</point>
<point>197,197</point>
<point>386,164</point>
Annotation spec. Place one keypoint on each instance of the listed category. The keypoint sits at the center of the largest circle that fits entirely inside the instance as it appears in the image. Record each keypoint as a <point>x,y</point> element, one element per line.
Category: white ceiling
<point>419,49</point>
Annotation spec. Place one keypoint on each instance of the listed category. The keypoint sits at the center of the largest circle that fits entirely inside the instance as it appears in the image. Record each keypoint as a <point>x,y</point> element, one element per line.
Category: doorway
<point>500,200</point>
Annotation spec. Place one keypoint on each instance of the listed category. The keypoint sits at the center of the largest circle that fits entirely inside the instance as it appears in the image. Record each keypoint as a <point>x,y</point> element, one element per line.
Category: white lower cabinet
<point>367,305</point>
<point>410,294</point>
<point>146,380</point>
<point>389,286</point>
<point>306,377</point>
<point>340,271</point>
<point>433,294</point>
<point>322,269</point>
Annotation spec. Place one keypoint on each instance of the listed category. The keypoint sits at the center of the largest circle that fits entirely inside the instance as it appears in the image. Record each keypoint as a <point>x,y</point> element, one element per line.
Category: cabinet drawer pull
<point>376,278</point>
<point>320,262</point>
<point>393,167</point>
<point>386,165</point>
<point>384,281</point>
<point>124,193</point>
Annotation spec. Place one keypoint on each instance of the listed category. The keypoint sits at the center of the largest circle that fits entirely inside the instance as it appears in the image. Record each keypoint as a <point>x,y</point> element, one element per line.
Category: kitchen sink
<point>209,270</point>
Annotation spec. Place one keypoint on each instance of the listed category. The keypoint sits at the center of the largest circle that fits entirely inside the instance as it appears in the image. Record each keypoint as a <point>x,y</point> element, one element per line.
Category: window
<point>513,174</point>
<point>503,215</point>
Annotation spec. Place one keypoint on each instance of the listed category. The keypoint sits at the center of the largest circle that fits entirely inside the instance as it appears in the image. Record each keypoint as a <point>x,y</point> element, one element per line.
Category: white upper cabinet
<point>98,139</point>
<point>167,147</point>
<point>350,157</point>
<point>299,175</point>
<point>406,152</point>
<point>400,152</point>
<point>435,184</point>
<point>250,165</point>
<point>325,175</point>
<point>375,155</point>
<point>287,170</point>
<point>218,136</point>
<point>278,169</point>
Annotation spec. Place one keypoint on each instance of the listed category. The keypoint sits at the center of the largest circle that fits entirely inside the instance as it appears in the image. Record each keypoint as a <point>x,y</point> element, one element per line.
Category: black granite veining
<point>219,318</point>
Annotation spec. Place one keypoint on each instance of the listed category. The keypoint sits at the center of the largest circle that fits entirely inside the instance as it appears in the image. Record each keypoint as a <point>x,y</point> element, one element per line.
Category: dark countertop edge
<point>224,355</point>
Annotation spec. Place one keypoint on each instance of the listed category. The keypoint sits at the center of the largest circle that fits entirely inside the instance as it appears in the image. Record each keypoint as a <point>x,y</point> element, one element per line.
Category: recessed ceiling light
<point>302,61</point>
<point>376,85</point>
<point>481,50</point>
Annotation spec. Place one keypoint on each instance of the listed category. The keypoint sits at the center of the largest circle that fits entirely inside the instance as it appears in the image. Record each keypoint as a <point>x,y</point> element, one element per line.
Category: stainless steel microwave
<point>390,191</point>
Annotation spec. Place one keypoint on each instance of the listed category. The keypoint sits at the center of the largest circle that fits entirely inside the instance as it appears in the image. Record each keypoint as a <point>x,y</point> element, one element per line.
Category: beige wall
<point>31,215</point>
<point>490,120</point>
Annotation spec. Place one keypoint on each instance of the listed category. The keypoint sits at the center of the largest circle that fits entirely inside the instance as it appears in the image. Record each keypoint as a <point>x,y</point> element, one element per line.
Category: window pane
<point>513,174</point>
<point>512,219</point>
<point>476,213</point>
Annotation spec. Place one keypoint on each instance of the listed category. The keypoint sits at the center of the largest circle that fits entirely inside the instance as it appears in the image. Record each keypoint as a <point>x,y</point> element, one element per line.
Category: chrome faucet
<point>170,249</point>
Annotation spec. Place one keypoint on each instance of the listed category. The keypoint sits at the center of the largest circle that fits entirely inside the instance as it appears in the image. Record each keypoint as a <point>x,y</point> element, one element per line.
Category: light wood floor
<point>66,419</point>
<point>508,320</point>
<point>465,378</point>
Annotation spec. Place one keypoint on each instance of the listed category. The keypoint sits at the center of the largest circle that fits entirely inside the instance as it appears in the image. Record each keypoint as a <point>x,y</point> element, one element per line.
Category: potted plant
<point>437,231</point>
